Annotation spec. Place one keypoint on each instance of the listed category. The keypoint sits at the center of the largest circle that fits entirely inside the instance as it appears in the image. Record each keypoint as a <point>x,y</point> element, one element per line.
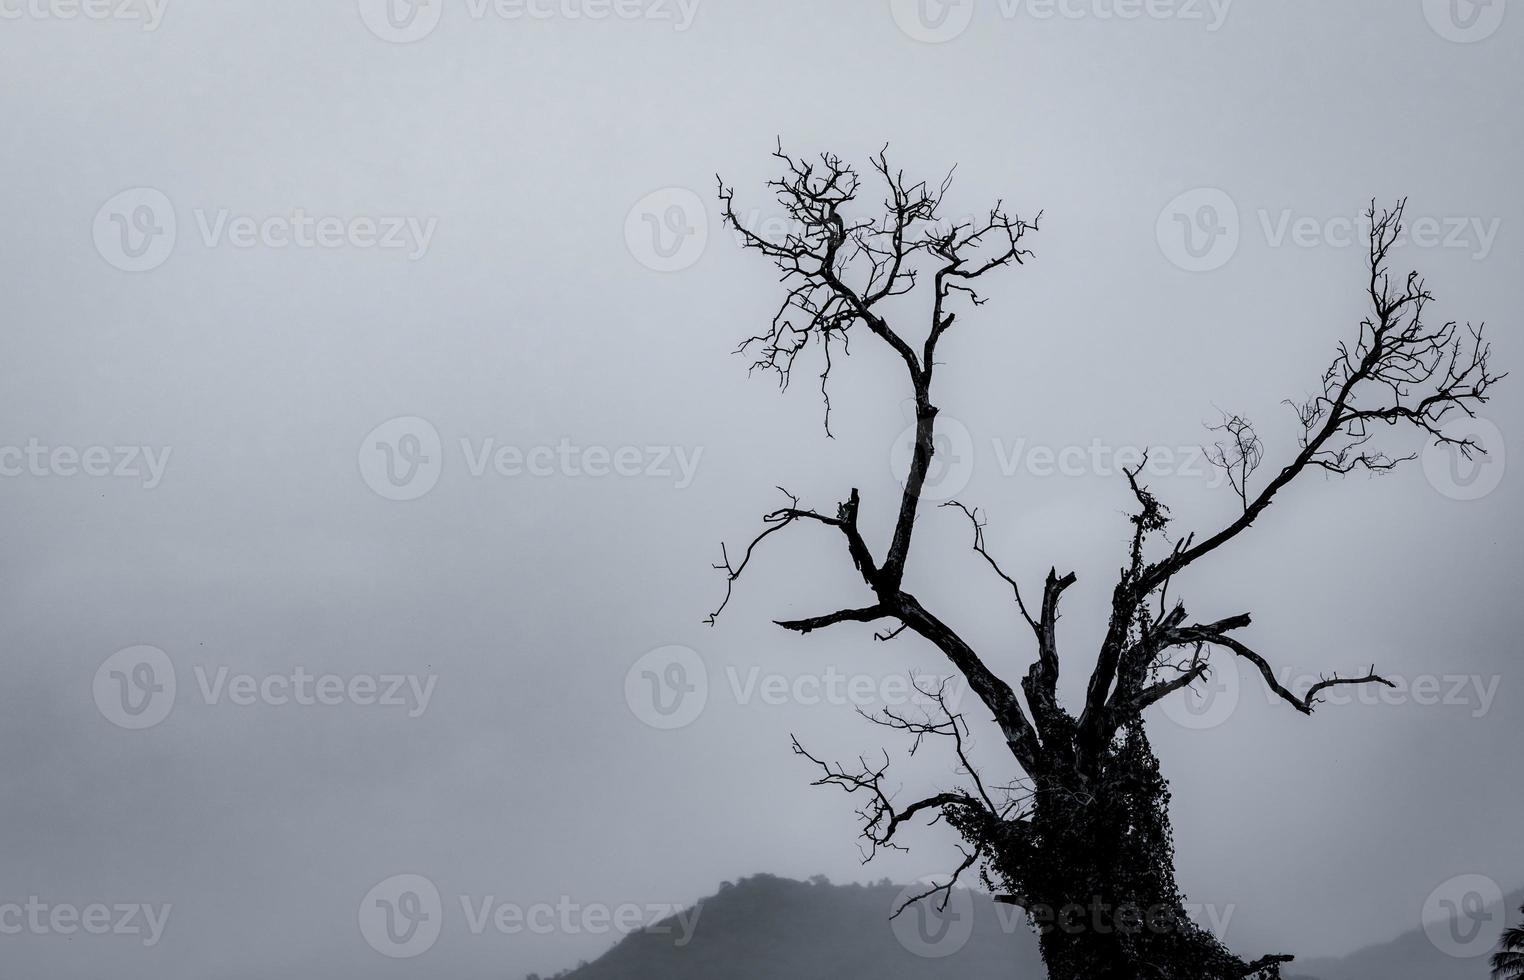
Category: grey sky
<point>520,146</point>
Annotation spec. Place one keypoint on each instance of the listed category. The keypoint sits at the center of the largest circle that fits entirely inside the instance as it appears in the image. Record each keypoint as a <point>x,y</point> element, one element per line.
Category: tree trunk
<point>1096,876</point>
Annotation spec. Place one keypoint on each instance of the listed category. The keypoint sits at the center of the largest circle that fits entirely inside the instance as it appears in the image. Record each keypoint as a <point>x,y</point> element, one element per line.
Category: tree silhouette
<point>1508,961</point>
<point>1082,841</point>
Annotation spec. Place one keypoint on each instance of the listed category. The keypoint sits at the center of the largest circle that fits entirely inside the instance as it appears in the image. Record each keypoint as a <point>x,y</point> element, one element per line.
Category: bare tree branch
<point>1241,457</point>
<point>1215,634</point>
<point>845,521</point>
<point>838,268</point>
<point>973,518</point>
<point>945,890</point>
<point>865,615</point>
<point>1310,700</point>
<point>881,818</point>
<point>1399,370</point>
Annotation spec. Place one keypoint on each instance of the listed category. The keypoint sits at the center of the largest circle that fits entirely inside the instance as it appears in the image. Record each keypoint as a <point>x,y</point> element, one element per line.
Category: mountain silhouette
<point>765,927</point>
<point>1414,955</point>
<point>771,928</point>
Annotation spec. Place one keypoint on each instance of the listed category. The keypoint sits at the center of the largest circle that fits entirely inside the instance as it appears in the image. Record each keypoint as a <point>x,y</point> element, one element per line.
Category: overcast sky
<point>240,239</point>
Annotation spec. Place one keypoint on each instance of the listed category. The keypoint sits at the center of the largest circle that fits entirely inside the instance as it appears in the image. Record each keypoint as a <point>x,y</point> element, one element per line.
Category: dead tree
<point>1085,827</point>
